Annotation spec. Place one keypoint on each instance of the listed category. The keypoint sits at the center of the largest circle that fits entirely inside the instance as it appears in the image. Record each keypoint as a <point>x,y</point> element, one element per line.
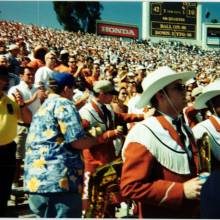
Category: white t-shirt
<point>27,94</point>
<point>42,75</point>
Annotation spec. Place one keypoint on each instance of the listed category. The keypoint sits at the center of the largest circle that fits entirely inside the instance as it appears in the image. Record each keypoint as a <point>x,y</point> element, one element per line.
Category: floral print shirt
<point>51,164</point>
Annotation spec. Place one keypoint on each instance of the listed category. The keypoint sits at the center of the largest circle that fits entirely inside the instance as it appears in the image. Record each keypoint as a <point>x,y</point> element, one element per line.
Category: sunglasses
<point>124,93</point>
<point>180,87</point>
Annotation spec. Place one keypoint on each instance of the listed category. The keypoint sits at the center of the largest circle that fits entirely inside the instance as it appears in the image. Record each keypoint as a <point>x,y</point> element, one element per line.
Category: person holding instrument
<point>209,98</point>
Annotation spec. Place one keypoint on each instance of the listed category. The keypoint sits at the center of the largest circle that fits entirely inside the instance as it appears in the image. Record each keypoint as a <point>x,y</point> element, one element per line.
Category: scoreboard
<point>213,36</point>
<point>173,19</point>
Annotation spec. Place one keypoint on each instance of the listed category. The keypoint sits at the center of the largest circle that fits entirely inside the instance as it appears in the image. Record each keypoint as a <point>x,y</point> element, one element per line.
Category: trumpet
<point>204,153</point>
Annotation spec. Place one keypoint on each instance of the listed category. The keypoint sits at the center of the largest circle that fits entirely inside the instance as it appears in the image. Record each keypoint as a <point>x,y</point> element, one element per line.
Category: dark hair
<point>40,53</point>
<point>22,68</point>
<point>3,70</point>
<point>154,102</point>
<point>211,103</point>
<point>96,94</point>
<point>89,59</point>
<point>64,57</point>
<point>139,88</point>
<point>80,83</point>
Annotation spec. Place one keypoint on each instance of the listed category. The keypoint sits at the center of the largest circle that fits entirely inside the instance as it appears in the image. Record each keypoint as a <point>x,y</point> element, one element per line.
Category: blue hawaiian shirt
<point>51,164</point>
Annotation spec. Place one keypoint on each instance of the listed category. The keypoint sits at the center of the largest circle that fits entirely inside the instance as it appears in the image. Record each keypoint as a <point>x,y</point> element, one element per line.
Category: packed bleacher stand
<point>90,58</point>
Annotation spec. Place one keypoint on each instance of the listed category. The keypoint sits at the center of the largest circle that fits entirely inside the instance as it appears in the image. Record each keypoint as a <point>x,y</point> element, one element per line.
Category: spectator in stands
<point>63,62</point>
<point>10,113</point>
<point>74,69</point>
<point>118,102</point>
<point>31,96</point>
<point>13,79</point>
<point>44,73</point>
<point>53,164</point>
<point>38,60</point>
<point>2,48</point>
<point>140,73</point>
<point>14,64</point>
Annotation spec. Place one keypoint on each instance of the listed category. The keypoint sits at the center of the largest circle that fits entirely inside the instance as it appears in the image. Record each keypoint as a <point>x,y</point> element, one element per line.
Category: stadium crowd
<point>102,71</point>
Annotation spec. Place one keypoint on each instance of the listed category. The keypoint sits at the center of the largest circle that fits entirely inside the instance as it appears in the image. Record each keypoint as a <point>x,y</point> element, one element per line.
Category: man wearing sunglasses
<point>160,162</point>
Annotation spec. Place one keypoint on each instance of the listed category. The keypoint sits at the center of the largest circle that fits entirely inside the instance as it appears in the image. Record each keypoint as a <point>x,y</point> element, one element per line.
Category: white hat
<point>64,52</point>
<point>157,80</point>
<point>13,47</point>
<point>140,67</point>
<point>208,92</point>
<point>130,74</point>
<point>96,61</point>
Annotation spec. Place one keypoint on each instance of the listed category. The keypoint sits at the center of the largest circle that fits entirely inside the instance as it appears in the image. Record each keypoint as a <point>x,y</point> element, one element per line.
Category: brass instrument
<point>104,192</point>
<point>204,153</point>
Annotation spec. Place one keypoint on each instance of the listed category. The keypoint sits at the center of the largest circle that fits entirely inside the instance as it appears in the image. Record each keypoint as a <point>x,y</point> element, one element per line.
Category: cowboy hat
<point>208,92</point>
<point>157,80</point>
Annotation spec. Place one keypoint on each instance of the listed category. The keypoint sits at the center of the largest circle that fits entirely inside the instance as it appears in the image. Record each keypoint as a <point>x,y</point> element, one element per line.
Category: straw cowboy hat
<point>157,80</point>
<point>208,92</point>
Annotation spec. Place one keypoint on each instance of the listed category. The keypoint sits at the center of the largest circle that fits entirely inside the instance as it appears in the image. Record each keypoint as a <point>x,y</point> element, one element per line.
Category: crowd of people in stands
<point>78,92</point>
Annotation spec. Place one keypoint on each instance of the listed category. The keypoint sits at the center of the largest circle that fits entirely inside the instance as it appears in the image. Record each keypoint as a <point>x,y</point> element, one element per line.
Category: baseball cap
<point>105,86</point>
<point>63,79</point>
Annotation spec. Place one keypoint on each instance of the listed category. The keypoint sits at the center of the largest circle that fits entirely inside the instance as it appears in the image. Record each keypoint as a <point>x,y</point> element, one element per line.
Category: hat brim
<point>201,100</point>
<point>162,82</point>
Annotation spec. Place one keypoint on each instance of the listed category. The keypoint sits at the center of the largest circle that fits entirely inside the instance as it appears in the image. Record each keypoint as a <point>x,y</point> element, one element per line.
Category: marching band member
<point>210,98</point>
<point>160,160</point>
<point>97,117</point>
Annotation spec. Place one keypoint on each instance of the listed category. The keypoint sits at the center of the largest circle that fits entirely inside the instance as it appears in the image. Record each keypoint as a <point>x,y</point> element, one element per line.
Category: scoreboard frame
<point>213,36</point>
<point>173,19</point>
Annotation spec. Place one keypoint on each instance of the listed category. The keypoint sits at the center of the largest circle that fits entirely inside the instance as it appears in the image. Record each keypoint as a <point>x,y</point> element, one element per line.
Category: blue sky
<point>42,13</point>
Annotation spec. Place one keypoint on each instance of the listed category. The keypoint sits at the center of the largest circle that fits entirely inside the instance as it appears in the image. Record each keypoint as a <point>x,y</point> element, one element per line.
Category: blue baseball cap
<point>63,79</point>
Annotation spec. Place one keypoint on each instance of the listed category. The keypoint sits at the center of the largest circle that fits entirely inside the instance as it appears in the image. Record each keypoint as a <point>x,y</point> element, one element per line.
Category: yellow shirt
<point>9,115</point>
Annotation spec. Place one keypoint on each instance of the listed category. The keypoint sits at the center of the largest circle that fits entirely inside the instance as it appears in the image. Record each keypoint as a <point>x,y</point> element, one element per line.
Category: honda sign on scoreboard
<point>116,29</point>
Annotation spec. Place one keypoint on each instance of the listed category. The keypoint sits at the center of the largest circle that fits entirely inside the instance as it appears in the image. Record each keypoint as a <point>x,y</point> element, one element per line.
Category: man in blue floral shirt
<point>53,165</point>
